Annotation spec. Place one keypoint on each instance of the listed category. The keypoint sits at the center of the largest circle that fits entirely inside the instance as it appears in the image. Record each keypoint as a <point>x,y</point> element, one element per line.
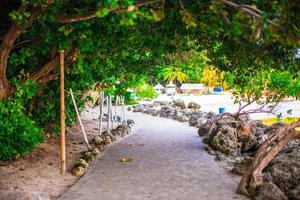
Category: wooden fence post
<point>102,97</point>
<point>108,113</point>
<point>62,114</point>
<point>111,112</point>
<point>116,109</point>
<point>123,108</point>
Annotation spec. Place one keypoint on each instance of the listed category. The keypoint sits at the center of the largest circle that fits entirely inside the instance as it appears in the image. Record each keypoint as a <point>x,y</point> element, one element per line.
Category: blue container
<point>218,89</point>
<point>222,110</point>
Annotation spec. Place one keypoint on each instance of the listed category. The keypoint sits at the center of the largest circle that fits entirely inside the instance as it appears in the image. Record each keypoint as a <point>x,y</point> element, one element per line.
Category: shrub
<point>18,132</point>
<point>146,92</point>
<point>46,111</point>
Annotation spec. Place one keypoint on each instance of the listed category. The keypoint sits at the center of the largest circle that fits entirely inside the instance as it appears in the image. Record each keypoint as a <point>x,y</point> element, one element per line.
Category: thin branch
<point>183,8</point>
<point>76,18</point>
<point>244,106</point>
<point>251,11</point>
<point>225,17</point>
<point>70,19</point>
<point>21,43</point>
<point>251,8</point>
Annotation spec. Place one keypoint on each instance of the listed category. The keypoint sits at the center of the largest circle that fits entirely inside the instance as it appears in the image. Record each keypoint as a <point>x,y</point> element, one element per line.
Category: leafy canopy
<point>123,43</point>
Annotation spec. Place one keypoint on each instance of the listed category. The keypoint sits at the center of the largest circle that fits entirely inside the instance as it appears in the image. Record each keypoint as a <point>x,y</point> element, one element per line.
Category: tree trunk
<point>5,49</point>
<point>264,155</point>
<point>7,44</point>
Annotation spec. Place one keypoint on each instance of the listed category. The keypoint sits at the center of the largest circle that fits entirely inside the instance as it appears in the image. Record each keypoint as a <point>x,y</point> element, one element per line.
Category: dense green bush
<point>146,92</point>
<point>46,110</point>
<point>19,133</point>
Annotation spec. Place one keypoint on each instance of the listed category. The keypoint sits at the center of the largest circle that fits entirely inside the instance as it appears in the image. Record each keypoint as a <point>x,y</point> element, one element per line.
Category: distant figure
<point>279,116</point>
<point>289,112</point>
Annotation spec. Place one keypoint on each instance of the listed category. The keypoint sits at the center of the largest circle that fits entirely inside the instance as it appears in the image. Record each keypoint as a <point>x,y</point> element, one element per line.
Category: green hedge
<point>18,132</point>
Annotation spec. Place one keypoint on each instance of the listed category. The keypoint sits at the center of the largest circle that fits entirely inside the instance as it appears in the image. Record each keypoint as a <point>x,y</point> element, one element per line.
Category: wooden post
<point>62,114</point>
<point>123,108</point>
<point>108,113</point>
<point>116,109</point>
<point>79,120</point>
<point>102,97</point>
<point>111,111</point>
<point>120,103</point>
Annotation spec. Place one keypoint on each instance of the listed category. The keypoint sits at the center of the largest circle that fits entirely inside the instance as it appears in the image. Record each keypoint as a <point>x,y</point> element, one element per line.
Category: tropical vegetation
<point>251,45</point>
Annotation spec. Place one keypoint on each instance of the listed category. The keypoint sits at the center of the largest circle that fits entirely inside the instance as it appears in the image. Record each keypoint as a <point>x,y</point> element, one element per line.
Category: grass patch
<point>131,102</point>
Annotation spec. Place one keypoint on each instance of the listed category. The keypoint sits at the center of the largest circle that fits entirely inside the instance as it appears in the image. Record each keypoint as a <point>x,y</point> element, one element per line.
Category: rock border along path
<point>168,163</point>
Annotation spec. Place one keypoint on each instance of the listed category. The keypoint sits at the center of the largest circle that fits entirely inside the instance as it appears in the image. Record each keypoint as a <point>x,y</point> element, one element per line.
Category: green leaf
<point>102,12</point>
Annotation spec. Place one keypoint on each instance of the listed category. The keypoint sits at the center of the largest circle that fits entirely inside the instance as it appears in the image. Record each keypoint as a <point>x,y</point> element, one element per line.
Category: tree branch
<point>45,73</point>
<point>76,18</point>
<point>252,11</point>
<point>20,44</point>
<point>7,45</point>
<point>45,69</point>
<point>225,17</point>
<point>86,16</point>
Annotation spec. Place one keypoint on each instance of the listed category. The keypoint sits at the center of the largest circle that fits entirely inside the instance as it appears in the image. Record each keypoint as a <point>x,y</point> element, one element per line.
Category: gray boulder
<point>295,193</point>
<point>130,123</point>
<point>241,166</point>
<point>138,108</point>
<point>201,121</point>
<point>211,115</point>
<point>179,103</point>
<point>161,103</point>
<point>193,105</point>
<point>121,130</point>
<point>167,112</point>
<point>96,140</point>
<point>269,191</point>
<point>188,112</point>
<point>284,170</point>
<point>203,130</point>
<point>249,143</point>
<point>224,139</point>
<point>154,112</point>
<point>180,117</point>
<point>194,118</point>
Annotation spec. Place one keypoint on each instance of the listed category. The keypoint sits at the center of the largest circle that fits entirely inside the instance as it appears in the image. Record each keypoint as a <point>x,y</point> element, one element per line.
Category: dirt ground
<point>38,174</point>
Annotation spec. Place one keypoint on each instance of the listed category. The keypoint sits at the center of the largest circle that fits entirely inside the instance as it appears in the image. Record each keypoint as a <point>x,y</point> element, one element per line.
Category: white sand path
<point>168,163</point>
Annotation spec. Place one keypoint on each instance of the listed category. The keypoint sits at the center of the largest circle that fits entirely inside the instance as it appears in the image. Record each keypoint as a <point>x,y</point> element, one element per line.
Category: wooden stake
<point>111,111</point>
<point>62,114</point>
<point>116,109</point>
<point>121,114</point>
<point>80,123</point>
<point>123,108</point>
<point>102,97</point>
<point>108,113</point>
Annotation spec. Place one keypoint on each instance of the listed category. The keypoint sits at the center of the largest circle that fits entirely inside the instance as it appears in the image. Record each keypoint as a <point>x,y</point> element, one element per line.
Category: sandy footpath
<point>168,162</point>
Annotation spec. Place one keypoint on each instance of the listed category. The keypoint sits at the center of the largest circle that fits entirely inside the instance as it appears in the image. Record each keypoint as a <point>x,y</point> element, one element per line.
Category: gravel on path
<point>168,163</point>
